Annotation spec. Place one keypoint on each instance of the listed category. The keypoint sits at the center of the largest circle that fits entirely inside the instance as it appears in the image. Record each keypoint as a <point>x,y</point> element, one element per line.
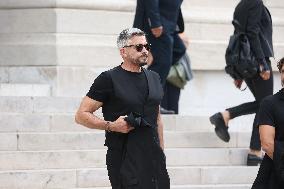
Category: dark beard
<point>142,63</point>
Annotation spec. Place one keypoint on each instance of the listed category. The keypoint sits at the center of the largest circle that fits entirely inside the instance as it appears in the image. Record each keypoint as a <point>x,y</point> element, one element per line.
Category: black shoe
<point>164,111</point>
<point>221,129</point>
<point>253,160</point>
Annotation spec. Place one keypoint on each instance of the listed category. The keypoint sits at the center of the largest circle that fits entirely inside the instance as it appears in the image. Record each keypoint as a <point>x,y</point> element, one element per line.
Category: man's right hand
<point>157,32</point>
<point>120,126</point>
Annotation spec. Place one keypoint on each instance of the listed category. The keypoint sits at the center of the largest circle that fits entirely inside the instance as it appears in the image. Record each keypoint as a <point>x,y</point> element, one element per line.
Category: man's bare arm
<point>160,130</point>
<point>267,136</point>
<point>85,117</point>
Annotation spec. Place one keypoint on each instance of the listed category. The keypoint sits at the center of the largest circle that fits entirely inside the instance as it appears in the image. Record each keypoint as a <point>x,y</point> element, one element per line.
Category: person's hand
<point>185,39</point>
<point>157,32</point>
<point>238,83</point>
<point>120,126</point>
<point>264,74</point>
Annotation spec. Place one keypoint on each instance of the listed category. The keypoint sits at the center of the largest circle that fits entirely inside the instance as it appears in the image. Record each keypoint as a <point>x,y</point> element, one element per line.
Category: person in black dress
<point>271,127</point>
<point>255,20</point>
<point>130,97</point>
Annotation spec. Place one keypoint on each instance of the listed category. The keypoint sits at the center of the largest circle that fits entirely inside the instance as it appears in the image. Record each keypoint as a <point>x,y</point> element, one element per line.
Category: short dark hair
<point>280,64</point>
<point>127,34</point>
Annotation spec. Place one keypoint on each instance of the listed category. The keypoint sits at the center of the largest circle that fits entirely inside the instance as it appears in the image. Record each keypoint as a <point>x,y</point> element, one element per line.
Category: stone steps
<point>49,150</point>
<point>39,104</point>
<point>68,105</point>
<point>68,58</point>
<point>209,29</point>
<point>11,89</point>
<point>214,186</point>
<point>196,98</point>
<point>123,5</point>
<point>115,20</point>
<point>75,159</point>
<point>95,140</point>
<point>97,177</point>
<point>200,50</point>
<point>27,74</point>
<point>94,50</point>
<point>52,122</point>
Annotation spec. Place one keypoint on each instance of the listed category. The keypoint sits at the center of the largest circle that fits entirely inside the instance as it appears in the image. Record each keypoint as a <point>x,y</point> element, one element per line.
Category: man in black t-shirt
<point>130,98</point>
<point>271,128</point>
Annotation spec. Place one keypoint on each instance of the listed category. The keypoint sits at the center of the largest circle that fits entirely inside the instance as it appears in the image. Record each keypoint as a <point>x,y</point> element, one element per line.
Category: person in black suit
<point>255,19</point>
<point>162,21</point>
<point>271,128</point>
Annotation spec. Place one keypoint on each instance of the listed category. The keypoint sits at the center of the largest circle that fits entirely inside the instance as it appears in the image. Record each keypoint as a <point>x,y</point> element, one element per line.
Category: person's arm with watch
<point>85,116</point>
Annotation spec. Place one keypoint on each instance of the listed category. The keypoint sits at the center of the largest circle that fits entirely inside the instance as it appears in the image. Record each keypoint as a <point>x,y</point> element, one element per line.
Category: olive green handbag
<point>180,73</point>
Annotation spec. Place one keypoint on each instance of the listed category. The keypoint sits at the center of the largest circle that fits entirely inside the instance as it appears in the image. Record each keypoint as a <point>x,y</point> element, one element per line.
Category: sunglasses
<point>139,47</point>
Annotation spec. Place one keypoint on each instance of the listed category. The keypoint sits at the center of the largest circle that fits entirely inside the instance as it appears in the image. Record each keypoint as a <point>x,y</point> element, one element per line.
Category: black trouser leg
<point>260,88</point>
<point>172,93</point>
<point>171,97</point>
<point>113,162</point>
<point>243,109</point>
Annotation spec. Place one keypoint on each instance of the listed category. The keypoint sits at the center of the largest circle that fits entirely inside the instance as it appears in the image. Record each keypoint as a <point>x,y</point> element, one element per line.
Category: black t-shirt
<point>102,88</point>
<point>271,112</point>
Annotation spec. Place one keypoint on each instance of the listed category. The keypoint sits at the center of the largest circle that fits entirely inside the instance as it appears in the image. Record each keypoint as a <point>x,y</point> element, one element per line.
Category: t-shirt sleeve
<point>265,115</point>
<point>101,89</point>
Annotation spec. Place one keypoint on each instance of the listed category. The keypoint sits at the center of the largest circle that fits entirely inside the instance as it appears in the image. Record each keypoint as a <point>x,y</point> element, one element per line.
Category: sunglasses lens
<point>147,47</point>
<point>139,47</point>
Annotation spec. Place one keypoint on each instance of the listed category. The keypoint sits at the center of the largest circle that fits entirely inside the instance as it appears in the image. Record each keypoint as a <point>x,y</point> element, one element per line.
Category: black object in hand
<point>133,119</point>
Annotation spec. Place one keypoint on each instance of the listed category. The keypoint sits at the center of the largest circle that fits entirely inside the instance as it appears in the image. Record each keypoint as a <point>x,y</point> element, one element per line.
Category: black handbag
<point>240,61</point>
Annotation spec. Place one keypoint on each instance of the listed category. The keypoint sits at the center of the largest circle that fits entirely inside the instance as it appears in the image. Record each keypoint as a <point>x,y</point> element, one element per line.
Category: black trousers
<point>139,164</point>
<point>162,63</point>
<point>113,162</point>
<point>260,88</point>
<point>171,97</point>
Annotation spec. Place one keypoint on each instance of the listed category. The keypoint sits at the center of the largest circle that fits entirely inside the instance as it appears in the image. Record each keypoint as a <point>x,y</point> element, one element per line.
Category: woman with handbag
<point>255,21</point>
